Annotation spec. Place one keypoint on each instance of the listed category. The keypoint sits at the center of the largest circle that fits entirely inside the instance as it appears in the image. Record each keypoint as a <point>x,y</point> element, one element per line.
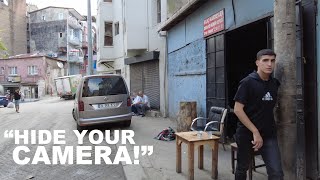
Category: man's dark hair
<point>265,52</point>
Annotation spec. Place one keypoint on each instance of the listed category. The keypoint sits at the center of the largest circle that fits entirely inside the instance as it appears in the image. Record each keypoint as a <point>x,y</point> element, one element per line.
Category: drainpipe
<point>68,63</point>
<point>89,19</point>
<point>166,101</point>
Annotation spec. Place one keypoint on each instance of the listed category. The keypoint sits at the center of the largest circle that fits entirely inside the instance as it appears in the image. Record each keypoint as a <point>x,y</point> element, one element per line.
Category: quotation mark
<point>144,150</point>
<point>8,134</point>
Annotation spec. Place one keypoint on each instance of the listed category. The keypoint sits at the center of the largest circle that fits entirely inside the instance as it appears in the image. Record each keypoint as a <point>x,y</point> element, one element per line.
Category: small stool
<point>252,165</point>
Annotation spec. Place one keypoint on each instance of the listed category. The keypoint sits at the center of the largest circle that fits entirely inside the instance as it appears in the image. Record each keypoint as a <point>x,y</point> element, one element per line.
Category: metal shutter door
<point>136,71</point>
<point>151,83</point>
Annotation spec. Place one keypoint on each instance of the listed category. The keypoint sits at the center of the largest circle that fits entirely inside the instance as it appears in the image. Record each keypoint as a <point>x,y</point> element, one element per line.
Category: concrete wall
<point>186,77</point>
<point>14,26</point>
<point>136,24</point>
<point>45,36</point>
<point>174,5</point>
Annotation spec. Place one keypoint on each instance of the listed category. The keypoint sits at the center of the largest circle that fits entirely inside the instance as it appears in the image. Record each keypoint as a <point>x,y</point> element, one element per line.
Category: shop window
<point>108,34</point>
<point>13,70</point>
<point>32,70</point>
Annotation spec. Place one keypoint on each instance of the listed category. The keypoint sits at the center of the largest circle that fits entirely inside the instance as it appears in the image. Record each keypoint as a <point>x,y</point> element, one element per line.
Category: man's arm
<point>257,139</point>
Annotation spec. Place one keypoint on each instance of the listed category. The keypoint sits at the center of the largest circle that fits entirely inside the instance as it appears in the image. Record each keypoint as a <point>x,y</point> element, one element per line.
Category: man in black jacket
<point>254,102</point>
<point>17,97</point>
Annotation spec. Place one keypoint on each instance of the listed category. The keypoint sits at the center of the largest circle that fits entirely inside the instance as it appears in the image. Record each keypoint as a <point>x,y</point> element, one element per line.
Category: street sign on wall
<point>213,24</point>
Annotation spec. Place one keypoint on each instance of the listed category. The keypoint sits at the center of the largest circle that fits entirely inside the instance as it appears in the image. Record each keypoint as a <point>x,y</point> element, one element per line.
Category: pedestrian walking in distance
<point>17,97</point>
<point>254,103</point>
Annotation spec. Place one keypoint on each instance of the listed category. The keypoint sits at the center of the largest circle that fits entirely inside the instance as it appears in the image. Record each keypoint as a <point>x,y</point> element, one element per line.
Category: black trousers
<point>269,152</point>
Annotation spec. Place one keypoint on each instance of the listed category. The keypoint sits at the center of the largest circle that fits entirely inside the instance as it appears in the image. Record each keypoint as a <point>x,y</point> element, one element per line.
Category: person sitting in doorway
<point>144,105</point>
<point>136,101</point>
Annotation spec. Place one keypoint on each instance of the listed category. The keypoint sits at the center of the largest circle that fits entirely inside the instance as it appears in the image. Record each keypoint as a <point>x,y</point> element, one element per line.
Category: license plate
<point>107,105</point>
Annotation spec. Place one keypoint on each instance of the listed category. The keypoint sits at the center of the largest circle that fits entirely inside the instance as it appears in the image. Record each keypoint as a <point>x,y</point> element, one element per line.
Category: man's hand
<point>257,141</point>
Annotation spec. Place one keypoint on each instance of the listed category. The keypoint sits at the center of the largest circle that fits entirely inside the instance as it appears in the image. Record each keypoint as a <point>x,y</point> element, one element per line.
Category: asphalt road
<point>48,114</point>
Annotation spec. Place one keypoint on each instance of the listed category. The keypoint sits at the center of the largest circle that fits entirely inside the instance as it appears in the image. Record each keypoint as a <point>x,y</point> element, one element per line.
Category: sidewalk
<point>161,165</point>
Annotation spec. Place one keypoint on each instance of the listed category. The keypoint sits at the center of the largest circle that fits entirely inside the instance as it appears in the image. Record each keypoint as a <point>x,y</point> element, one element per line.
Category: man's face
<point>266,63</point>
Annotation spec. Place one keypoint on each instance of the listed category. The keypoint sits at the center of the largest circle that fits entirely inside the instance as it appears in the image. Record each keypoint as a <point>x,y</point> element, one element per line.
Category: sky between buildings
<point>79,5</point>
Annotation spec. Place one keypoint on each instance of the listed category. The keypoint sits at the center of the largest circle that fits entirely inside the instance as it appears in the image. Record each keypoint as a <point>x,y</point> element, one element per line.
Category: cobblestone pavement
<point>49,114</point>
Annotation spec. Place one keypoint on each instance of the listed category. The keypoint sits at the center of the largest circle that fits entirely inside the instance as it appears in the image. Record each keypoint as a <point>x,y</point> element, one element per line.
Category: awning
<point>153,55</point>
<point>181,14</point>
<point>10,84</point>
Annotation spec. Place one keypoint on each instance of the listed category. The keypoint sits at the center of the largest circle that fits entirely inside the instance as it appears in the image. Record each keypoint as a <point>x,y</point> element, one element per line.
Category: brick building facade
<point>33,74</point>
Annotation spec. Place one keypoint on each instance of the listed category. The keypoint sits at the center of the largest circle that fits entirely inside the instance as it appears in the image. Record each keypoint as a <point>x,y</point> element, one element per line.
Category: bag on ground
<point>10,105</point>
<point>166,134</point>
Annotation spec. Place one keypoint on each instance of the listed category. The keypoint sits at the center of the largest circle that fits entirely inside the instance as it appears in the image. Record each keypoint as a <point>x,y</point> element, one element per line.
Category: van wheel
<point>73,115</point>
<point>127,123</point>
<point>79,128</point>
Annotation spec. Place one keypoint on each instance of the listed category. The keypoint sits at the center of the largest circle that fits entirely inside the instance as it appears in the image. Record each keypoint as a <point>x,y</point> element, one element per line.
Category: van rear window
<point>103,86</point>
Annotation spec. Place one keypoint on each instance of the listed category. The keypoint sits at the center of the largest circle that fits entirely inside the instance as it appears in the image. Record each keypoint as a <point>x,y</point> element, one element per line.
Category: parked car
<point>102,99</point>
<point>4,101</point>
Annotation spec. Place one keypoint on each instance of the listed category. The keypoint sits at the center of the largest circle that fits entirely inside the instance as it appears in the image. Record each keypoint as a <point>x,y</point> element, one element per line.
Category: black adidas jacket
<point>259,98</point>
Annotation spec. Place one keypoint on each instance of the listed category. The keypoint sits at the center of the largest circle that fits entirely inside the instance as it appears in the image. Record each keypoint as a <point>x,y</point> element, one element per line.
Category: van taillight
<point>128,101</point>
<point>81,106</point>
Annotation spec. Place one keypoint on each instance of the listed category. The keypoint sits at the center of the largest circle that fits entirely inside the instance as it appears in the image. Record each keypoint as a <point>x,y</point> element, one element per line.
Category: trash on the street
<point>167,134</point>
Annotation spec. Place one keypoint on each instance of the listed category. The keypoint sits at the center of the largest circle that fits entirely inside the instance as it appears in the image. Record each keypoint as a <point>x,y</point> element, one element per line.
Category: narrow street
<point>48,114</point>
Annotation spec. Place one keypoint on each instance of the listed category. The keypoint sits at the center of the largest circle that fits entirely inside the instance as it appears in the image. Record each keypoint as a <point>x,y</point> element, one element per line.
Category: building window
<point>116,28</point>
<point>108,37</point>
<point>107,0</point>
<point>158,11</point>
<point>13,70</point>
<point>60,35</point>
<point>2,70</point>
<point>32,70</point>
<point>60,16</point>
<point>43,18</point>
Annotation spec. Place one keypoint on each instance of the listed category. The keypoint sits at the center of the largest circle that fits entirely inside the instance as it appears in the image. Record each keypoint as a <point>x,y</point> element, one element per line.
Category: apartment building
<point>129,44</point>
<point>13,26</point>
<point>56,32</point>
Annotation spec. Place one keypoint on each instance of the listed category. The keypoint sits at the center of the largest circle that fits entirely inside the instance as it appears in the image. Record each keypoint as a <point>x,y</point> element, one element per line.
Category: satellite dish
<point>60,65</point>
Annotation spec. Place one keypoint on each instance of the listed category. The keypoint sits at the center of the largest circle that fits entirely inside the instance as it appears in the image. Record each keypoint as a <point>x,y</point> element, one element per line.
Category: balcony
<point>76,59</point>
<point>74,23</point>
<point>75,41</point>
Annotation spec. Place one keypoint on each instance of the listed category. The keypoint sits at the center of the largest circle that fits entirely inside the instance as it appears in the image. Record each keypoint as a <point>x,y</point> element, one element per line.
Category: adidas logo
<point>267,97</point>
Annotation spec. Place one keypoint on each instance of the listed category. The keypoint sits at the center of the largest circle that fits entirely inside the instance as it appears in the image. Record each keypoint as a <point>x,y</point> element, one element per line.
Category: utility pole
<point>285,72</point>
<point>89,20</point>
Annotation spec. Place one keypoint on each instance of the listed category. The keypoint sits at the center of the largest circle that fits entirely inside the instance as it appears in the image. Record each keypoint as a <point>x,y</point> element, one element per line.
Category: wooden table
<point>192,141</point>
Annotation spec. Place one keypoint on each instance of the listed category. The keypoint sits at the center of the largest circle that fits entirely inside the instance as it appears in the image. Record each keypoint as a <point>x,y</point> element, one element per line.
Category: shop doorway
<point>242,45</point>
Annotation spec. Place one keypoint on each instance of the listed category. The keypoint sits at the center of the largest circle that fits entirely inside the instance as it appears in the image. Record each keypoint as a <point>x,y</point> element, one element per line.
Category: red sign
<point>213,24</point>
